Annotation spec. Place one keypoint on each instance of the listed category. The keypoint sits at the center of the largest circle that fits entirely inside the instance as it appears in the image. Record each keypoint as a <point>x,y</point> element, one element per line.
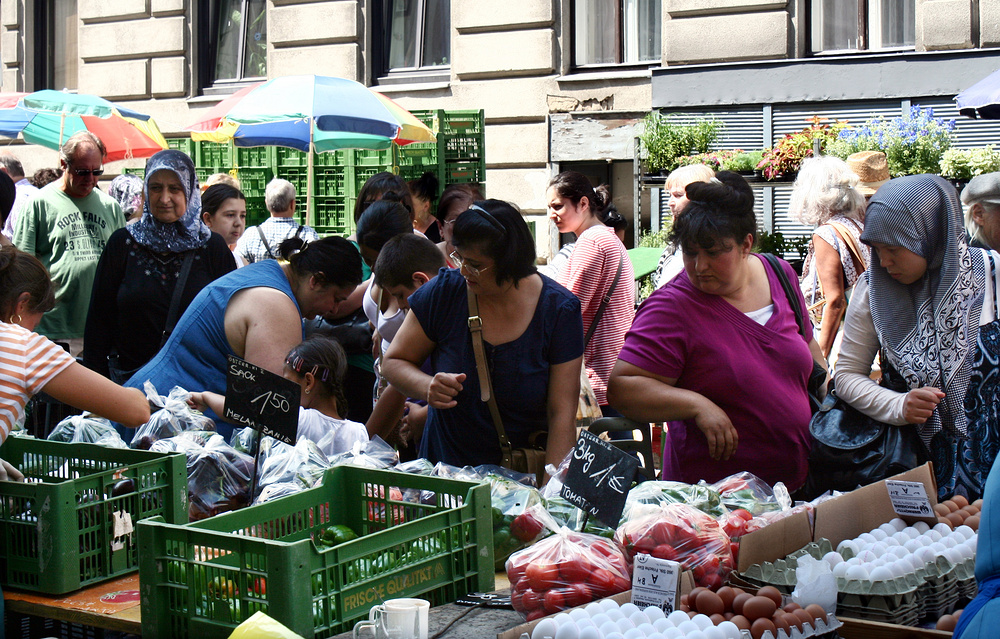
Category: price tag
<point>655,582</point>
<point>121,527</point>
<point>909,498</point>
<point>265,402</point>
<point>599,478</point>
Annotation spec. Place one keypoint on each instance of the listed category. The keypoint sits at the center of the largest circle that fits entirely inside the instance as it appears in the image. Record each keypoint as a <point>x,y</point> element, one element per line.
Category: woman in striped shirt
<point>30,363</point>
<point>598,268</point>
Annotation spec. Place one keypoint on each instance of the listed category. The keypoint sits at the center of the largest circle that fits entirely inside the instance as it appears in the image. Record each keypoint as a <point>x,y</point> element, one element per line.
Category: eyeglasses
<point>86,172</point>
<point>460,261</point>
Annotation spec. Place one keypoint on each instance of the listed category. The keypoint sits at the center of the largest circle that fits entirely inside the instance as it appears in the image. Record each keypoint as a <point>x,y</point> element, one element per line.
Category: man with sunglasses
<point>66,225</point>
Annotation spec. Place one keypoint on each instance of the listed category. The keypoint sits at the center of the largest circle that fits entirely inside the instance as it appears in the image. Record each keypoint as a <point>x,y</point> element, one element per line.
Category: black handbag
<point>851,449</point>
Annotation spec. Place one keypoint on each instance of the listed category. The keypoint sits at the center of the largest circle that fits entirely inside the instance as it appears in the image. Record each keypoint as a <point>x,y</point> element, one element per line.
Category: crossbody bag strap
<point>485,384</point>
<point>267,247</point>
<point>175,300</point>
<point>852,244</point>
<point>793,299</point>
<point>604,304</point>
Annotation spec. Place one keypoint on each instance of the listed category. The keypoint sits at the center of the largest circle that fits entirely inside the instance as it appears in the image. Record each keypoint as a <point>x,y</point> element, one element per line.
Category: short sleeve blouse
<point>28,362</point>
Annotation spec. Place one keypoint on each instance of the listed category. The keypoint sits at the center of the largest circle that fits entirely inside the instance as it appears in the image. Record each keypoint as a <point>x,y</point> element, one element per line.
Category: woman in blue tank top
<point>254,313</point>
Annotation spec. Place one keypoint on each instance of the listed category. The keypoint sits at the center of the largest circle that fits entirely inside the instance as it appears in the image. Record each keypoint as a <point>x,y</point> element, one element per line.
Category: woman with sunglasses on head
<point>533,342</point>
<point>151,270</point>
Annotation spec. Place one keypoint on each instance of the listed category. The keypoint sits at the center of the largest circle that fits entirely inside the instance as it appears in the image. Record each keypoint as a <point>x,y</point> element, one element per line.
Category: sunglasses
<point>86,172</point>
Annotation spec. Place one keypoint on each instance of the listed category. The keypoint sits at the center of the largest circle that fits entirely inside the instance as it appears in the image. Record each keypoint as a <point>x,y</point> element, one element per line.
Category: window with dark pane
<point>607,32</point>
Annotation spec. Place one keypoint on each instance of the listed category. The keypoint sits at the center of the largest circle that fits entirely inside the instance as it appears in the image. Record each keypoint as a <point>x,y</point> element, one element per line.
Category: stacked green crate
<point>413,160</point>
<point>462,136</point>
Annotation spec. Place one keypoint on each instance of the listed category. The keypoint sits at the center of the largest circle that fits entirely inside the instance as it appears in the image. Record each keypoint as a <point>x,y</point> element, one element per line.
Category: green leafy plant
<point>742,161</point>
<point>913,143</point>
<point>965,164</point>
<point>649,239</point>
<point>786,156</point>
<point>777,244</point>
<point>666,138</point>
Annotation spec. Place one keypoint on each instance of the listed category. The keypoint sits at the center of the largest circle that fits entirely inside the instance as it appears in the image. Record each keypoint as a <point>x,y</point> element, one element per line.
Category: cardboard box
<point>862,629</point>
<point>775,541</point>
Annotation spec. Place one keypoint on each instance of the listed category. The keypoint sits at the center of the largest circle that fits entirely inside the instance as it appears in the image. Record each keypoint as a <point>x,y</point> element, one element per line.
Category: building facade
<point>562,82</point>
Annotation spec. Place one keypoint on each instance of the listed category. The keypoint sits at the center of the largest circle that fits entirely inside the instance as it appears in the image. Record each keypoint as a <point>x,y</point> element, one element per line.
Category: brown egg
<point>804,616</point>
<point>958,613</point>
<point>791,607</point>
<point>946,623</point>
<point>944,520</point>
<point>728,616</point>
<point>685,600</point>
<point>738,591</point>
<point>759,627</point>
<point>727,594</point>
<point>685,608</point>
<point>709,603</point>
<point>816,612</point>
<point>973,522</point>
<point>771,593</point>
<point>693,597</point>
<point>792,619</point>
<point>692,614</point>
<point>978,504</point>
<point>952,506</point>
<point>716,619</point>
<point>780,623</point>
<point>738,602</point>
<point>954,519</point>
<point>741,622</point>
<point>941,509</point>
<point>962,514</point>
<point>972,510</point>
<point>758,607</point>
<point>960,501</point>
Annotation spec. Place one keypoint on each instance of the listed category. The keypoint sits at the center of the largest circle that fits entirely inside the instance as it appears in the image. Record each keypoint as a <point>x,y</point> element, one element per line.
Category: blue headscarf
<point>189,232</point>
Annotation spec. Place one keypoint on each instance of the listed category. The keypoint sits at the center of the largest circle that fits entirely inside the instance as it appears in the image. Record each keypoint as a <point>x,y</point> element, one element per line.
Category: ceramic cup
<point>395,619</point>
<point>423,610</point>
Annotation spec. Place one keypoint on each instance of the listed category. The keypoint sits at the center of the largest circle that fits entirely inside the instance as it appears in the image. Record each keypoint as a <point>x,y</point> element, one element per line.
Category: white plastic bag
<point>815,584</point>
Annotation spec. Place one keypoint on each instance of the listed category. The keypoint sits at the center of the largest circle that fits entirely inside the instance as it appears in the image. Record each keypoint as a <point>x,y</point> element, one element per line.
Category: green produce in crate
<point>509,499</point>
<point>336,535</point>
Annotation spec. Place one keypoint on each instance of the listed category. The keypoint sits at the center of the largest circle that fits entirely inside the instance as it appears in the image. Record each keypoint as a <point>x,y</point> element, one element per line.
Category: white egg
<point>888,529</point>
<point>702,621</point>
<point>925,555</point>
<point>901,537</point>
<point>562,618</point>
<point>953,555</point>
<point>853,561</point>
<point>673,633</point>
<point>897,523</point>
<point>878,534</point>
<point>848,546</point>
<point>697,634</point>
<point>653,613</point>
<point>915,562</point>
<point>655,635</point>
<point>965,530</point>
<point>840,570</point>
<point>965,551</point>
<point>625,624</point>
<point>912,532</point>
<point>878,548</point>
<point>633,633</point>
<point>688,627</point>
<point>599,619</point>
<point>713,632</point>
<point>662,623</point>
<point>608,628</point>
<point>568,630</point>
<point>578,613</point>
<point>678,617</point>
<point>545,628</point>
<point>921,527</point>
<point>937,547</point>
<point>898,551</point>
<point>901,566</point>
<point>880,573</point>
<point>941,528</point>
<point>867,556</point>
<point>593,608</point>
<point>833,558</point>
<point>646,629</point>
<point>628,608</point>
<point>933,535</point>
<point>732,630</point>
<point>614,614</point>
<point>866,538</point>
<point>857,572</point>
<point>973,541</point>
<point>638,618</point>
<point>609,604</point>
<point>613,635</point>
<point>912,545</point>
<point>590,632</point>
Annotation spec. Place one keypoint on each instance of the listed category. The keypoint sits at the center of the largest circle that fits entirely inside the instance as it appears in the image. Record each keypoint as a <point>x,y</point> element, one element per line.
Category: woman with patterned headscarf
<point>151,270</point>
<point>127,191</point>
<point>929,303</point>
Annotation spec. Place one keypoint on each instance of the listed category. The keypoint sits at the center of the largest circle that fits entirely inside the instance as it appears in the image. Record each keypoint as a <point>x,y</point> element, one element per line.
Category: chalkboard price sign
<point>599,478</point>
<point>265,402</point>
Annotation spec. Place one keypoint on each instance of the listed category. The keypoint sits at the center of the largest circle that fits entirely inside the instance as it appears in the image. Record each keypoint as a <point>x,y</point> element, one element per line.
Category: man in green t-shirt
<point>66,225</point>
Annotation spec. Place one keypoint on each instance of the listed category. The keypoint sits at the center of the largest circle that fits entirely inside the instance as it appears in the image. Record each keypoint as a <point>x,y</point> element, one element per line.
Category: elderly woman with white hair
<point>827,196</point>
<point>981,197</point>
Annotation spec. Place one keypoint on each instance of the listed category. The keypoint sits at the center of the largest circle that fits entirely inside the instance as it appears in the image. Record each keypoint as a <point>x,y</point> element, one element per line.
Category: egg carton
<point>968,588</point>
<point>902,609</point>
<point>781,572</point>
<point>822,630</point>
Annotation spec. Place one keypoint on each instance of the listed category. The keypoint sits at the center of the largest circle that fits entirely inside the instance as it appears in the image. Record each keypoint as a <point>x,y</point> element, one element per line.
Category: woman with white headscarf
<point>136,299</point>
<point>929,303</point>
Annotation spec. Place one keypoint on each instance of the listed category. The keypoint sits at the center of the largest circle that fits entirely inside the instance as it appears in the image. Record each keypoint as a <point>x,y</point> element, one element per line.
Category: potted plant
<point>783,161</point>
<point>913,143</point>
<point>743,162</point>
<point>776,244</point>
<point>664,139</point>
<point>961,165</point>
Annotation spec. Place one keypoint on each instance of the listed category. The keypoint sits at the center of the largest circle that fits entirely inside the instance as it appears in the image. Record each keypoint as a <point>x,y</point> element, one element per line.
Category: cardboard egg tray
<point>968,588</point>
<point>903,610</point>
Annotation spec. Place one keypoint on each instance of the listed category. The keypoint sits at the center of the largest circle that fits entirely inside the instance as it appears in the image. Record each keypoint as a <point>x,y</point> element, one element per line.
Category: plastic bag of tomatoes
<point>680,533</point>
<point>565,570</point>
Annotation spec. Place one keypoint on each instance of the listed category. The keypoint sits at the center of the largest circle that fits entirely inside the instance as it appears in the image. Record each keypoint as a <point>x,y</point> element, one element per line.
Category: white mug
<point>394,619</point>
<point>423,609</point>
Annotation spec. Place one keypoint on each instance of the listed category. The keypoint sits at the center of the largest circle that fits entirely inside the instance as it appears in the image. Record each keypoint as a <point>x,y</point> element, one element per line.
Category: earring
<point>13,321</point>
<point>308,391</point>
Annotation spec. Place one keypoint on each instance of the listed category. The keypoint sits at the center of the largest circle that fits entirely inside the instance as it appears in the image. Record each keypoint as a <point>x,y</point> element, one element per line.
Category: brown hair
<point>21,272</point>
<point>575,186</point>
<point>466,194</point>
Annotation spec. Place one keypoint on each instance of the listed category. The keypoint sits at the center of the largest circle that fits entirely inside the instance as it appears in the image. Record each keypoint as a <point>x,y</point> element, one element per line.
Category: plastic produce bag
<point>815,584</point>
<point>704,498</point>
<point>680,533</point>
<point>260,626</point>
<point>509,499</point>
<point>280,489</point>
<point>218,479</point>
<point>303,463</point>
<point>88,429</point>
<point>565,570</point>
<point>174,416</point>
<point>746,490</point>
<point>375,454</point>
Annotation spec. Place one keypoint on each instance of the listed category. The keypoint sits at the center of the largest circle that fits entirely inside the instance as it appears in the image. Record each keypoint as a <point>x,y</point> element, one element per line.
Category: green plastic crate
<point>356,176</point>
<point>325,231</point>
<point>332,212</point>
<point>328,181</point>
<point>182,144</point>
<point>57,530</point>
<point>255,156</point>
<point>263,557</point>
<point>214,155</point>
<point>203,174</point>
<point>461,122</point>
<point>289,157</point>
<point>298,176</point>
<point>253,182</point>
<point>256,211</point>
<point>368,157</point>
<point>464,173</point>
<point>141,172</point>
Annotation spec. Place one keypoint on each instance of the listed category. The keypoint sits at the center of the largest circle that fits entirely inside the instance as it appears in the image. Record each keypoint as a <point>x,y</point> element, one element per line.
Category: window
<point>616,32</point>
<point>411,36</point>
<point>234,41</point>
<point>862,25</point>
<point>55,37</point>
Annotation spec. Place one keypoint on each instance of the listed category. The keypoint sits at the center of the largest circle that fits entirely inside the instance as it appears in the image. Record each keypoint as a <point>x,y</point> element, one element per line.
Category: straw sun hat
<point>872,168</point>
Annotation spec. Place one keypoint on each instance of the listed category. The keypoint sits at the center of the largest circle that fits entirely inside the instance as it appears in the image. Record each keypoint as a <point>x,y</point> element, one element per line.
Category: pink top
<point>589,275</point>
<point>756,374</point>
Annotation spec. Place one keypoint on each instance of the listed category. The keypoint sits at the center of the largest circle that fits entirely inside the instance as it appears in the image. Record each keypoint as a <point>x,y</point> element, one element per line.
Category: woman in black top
<point>134,296</point>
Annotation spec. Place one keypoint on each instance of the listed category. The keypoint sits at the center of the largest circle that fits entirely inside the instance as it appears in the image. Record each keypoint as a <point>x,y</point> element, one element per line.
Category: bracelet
<point>429,391</point>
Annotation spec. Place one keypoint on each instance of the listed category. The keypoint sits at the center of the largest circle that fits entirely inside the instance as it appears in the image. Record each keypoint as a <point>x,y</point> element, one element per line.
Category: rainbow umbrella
<point>303,111</point>
<point>49,118</point>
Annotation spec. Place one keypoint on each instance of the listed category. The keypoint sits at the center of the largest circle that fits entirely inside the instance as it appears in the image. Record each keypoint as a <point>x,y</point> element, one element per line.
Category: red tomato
<point>538,613</point>
<point>712,581</point>
<point>515,572</point>
<point>525,527</point>
<point>645,544</point>
<point>574,571</point>
<point>662,532</point>
<point>516,600</point>
<point>542,575</point>
<point>578,595</point>
<point>605,548</point>
<point>665,551</point>
<point>743,514</point>
<point>602,582</point>
<point>734,548</point>
<point>555,600</point>
<point>621,585</point>
<point>531,600</point>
